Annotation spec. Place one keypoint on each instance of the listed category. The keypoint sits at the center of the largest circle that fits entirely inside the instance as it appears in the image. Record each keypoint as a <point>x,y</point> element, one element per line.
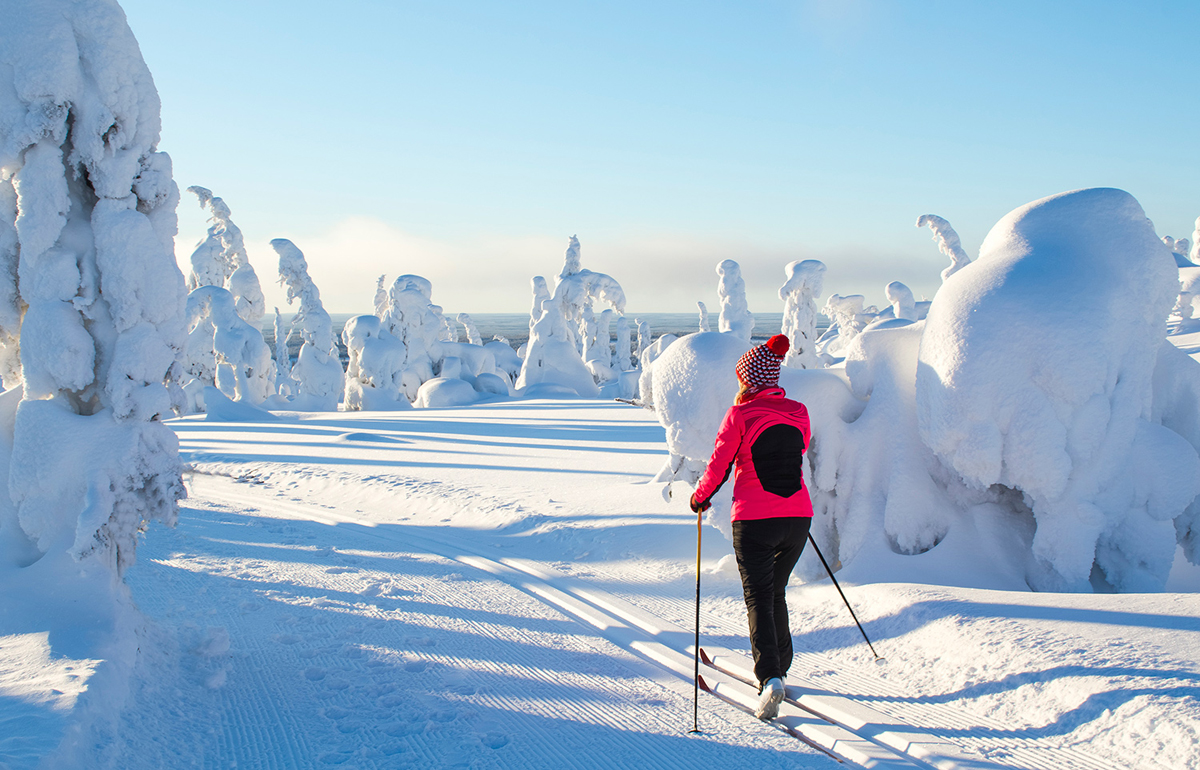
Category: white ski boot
<point>769,700</point>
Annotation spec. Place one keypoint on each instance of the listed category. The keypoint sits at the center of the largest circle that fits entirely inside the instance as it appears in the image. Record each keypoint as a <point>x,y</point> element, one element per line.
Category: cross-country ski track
<point>540,668</point>
<point>500,586</point>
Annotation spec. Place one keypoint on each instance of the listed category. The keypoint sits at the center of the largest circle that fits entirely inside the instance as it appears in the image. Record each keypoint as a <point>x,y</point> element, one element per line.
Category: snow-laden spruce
<point>1035,374</point>
<point>91,204</point>
<point>731,291</point>
<point>220,260</point>
<point>947,241</point>
<point>805,279</point>
<point>470,329</point>
<point>242,359</point>
<point>225,245</point>
<point>547,356</point>
<point>318,377</point>
<point>375,370</point>
<point>1194,252</point>
<point>904,304</point>
<point>847,317</point>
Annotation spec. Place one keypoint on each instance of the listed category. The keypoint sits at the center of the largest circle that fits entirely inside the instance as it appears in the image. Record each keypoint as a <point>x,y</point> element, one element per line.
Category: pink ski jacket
<point>762,441</point>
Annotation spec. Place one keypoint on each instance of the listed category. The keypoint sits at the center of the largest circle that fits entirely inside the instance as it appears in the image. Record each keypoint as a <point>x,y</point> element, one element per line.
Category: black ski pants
<point>767,550</point>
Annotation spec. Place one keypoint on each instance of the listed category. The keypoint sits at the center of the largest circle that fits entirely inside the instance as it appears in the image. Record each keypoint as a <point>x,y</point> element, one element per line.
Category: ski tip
<point>704,657</point>
<point>703,684</point>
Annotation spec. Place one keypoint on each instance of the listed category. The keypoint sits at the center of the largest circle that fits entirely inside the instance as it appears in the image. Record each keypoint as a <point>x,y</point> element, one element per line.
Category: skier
<point>762,440</point>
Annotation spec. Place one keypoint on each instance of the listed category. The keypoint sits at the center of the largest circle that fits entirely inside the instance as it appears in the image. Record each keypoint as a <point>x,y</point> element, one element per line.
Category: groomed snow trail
<point>441,588</point>
<point>295,643</point>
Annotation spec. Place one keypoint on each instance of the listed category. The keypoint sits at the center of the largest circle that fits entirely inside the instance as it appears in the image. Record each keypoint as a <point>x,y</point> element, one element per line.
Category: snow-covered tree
<point>736,317</point>
<point>283,361</point>
<point>541,293</point>
<point>621,358</point>
<point>381,296</point>
<point>599,350</point>
<point>91,203</point>
<point>551,356</point>
<point>704,325</point>
<point>846,313</point>
<point>643,337</point>
<point>572,263</point>
<point>375,371</point>
<point>947,242</point>
<point>239,276</point>
<point>904,305</point>
<point>413,319</point>
<point>799,293</point>
<point>577,288</point>
<point>470,329</point>
<point>244,370</point>
<point>1194,253</point>
<point>318,371</point>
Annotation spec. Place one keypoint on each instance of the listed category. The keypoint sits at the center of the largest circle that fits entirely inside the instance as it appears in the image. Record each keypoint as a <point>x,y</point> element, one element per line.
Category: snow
<point>805,279</point>
<point>103,328</point>
<point>375,373</point>
<point>318,376</point>
<point>504,577</point>
<point>947,241</point>
<point>325,572</point>
<point>731,292</point>
<point>1081,448</point>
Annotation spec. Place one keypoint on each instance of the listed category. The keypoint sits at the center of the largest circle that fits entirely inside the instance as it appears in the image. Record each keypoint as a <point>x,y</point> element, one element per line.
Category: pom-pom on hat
<point>759,367</point>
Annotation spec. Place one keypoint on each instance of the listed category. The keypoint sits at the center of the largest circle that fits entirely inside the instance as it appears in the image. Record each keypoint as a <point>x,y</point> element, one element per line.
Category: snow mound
<point>1034,373</point>
<point>444,391</point>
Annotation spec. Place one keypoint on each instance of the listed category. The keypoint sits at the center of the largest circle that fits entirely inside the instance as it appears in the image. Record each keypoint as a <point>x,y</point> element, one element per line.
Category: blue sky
<point>466,141</point>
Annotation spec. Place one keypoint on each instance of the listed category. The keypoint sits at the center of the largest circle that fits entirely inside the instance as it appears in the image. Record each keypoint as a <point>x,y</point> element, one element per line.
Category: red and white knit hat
<point>759,367</point>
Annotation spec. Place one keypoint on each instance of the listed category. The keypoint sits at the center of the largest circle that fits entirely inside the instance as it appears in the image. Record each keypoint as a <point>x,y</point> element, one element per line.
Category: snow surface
<point>319,604</point>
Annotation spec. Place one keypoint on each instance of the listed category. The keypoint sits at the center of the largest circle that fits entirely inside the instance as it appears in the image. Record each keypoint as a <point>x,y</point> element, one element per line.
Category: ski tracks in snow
<point>279,642</point>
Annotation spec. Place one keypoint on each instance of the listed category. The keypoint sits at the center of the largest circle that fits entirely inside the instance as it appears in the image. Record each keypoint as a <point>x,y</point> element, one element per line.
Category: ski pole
<point>821,556</point>
<point>696,663</point>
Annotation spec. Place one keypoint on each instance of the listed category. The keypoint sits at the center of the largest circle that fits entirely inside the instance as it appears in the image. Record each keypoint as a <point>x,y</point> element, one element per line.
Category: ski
<point>821,734</point>
<point>860,720</point>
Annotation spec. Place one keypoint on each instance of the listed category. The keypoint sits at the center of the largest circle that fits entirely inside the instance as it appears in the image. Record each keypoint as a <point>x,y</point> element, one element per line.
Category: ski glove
<point>699,507</point>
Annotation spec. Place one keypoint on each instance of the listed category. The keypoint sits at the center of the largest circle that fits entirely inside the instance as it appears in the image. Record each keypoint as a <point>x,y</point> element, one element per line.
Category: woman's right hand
<point>701,507</point>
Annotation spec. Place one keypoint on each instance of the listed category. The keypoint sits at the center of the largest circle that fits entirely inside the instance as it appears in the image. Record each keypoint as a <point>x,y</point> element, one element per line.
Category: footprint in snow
<point>416,666</point>
<point>339,570</point>
<point>287,638</point>
<point>494,740</point>
<point>335,713</point>
<point>314,674</point>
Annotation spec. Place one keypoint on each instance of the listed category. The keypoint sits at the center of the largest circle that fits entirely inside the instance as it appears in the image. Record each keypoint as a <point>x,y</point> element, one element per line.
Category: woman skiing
<point>762,440</point>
